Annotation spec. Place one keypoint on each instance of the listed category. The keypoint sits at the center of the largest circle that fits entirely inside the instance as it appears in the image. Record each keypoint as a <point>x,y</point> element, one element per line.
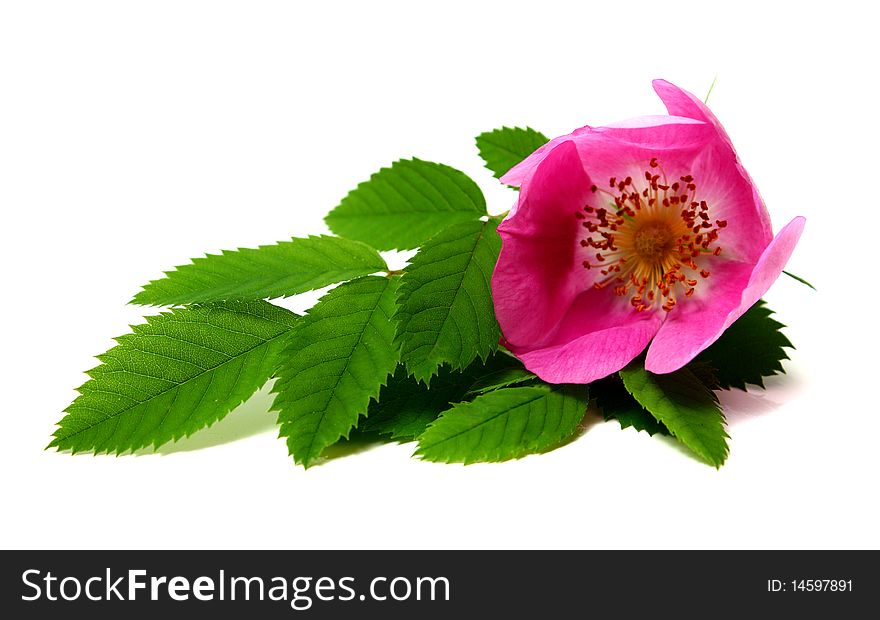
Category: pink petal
<point>537,274</point>
<point>732,197</point>
<point>595,354</point>
<point>680,102</point>
<point>698,322</point>
<point>641,138</point>
<point>516,175</point>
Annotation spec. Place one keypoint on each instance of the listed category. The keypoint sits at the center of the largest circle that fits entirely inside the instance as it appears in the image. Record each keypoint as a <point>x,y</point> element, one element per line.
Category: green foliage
<point>445,312</point>
<point>405,358</point>
<point>403,206</point>
<point>616,403</point>
<point>340,355</point>
<point>504,148</point>
<point>751,349</point>
<point>179,372</point>
<point>505,424</point>
<point>406,406</point>
<point>502,378</point>
<point>270,271</point>
<point>684,405</point>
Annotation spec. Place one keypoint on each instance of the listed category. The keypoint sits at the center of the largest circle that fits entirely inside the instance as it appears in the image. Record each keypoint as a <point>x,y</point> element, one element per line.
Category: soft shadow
<point>250,418</point>
<point>674,444</point>
<point>740,406</point>
<point>356,444</point>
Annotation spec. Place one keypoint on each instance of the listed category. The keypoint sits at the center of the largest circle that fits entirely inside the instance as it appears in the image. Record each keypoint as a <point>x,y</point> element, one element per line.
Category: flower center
<point>650,242</point>
<point>654,242</point>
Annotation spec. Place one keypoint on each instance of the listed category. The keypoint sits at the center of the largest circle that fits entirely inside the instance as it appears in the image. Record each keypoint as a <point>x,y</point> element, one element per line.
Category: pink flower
<point>645,233</point>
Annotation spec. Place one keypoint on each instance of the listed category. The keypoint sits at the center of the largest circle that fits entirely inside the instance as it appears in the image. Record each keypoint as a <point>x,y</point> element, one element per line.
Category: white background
<point>135,135</point>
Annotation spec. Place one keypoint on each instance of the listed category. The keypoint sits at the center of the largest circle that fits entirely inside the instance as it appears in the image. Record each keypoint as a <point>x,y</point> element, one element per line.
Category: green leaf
<point>799,279</point>
<point>505,424</point>
<point>616,403</point>
<point>749,350</point>
<point>503,378</point>
<point>445,312</point>
<point>341,353</point>
<point>403,206</point>
<point>682,403</point>
<point>406,406</point>
<point>181,371</point>
<point>270,271</point>
<point>504,148</point>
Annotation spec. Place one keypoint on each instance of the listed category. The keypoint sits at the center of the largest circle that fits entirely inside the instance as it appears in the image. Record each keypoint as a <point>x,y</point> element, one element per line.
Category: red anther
<point>628,181</point>
<point>721,223</point>
<point>647,175</point>
<point>654,162</point>
<point>599,257</point>
<point>593,188</point>
<point>586,264</point>
<point>707,225</point>
<point>717,251</point>
<point>584,243</point>
<point>704,273</point>
<point>613,181</point>
<point>691,282</point>
<point>704,215</point>
<point>689,292</point>
<point>675,186</point>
